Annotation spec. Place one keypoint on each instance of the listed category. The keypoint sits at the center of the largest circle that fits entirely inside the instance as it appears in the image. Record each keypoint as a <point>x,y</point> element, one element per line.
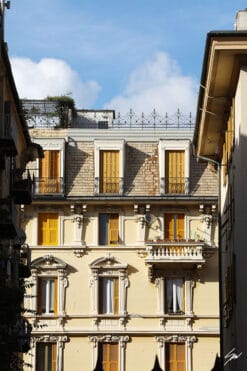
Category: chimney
<point>241,20</point>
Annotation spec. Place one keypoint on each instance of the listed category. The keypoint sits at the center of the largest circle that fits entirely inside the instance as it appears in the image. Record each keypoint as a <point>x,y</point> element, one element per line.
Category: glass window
<point>108,229</point>
<point>109,295</point>
<point>47,296</point>
<point>46,357</point>
<point>174,298</point>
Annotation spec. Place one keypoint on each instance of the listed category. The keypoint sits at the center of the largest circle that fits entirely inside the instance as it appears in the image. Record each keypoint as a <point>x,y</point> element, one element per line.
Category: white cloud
<point>48,77</point>
<point>157,84</point>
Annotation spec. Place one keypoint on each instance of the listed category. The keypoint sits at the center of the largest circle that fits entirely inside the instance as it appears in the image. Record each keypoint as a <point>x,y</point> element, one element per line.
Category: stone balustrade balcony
<point>187,252</point>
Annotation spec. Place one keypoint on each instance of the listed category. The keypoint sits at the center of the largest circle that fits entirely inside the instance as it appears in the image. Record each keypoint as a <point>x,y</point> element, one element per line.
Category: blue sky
<point>114,54</point>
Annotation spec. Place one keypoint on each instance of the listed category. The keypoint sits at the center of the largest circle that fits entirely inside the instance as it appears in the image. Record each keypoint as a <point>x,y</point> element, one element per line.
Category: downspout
<point>218,164</point>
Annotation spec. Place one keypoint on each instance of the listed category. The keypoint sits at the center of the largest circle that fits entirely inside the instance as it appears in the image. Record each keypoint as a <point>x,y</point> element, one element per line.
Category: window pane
<point>51,296</point>
<point>46,357</point>
<point>103,229</point>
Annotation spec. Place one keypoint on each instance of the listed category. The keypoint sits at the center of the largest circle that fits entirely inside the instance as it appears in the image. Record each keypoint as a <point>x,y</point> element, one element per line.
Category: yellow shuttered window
<point>175,357</point>
<point>46,358</point>
<point>48,229</point>
<point>174,226</point>
<point>109,171</point>
<point>174,171</point>
<point>108,229</point>
<point>109,353</point>
<point>49,174</point>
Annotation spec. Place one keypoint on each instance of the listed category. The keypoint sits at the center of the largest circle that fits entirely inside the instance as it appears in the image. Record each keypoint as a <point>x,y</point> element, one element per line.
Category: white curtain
<point>178,302</point>
<point>108,295</point>
<point>174,294</point>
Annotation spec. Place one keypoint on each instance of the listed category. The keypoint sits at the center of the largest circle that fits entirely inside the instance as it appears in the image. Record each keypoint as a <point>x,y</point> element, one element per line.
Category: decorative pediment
<point>108,262</point>
<point>48,262</point>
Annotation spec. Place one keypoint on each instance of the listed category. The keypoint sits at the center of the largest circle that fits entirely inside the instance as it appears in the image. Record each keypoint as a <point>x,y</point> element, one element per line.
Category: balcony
<point>22,189</point>
<point>171,253</point>
<point>47,186</point>
<point>175,185</point>
<point>25,262</point>
<point>110,185</point>
<point>7,143</point>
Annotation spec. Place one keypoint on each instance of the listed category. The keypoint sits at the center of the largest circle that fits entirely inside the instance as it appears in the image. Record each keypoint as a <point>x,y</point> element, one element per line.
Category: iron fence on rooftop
<point>44,114</point>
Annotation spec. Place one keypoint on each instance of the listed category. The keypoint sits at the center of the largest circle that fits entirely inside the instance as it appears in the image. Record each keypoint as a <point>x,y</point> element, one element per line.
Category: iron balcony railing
<point>109,185</point>
<point>44,185</point>
<point>177,251</point>
<point>21,188</point>
<point>175,185</point>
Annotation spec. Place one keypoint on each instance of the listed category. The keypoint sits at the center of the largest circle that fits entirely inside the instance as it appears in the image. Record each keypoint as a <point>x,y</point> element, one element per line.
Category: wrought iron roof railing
<point>45,114</point>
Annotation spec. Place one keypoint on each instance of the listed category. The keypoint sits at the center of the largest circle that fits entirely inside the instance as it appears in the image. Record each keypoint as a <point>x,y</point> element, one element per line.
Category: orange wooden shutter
<point>109,171</point>
<point>169,226</point>
<point>175,357</point>
<point>113,229</point>
<point>48,229</point>
<point>116,295</point>
<point>54,357</point>
<point>110,356</point>
<point>180,226</point>
<point>53,229</point>
<point>174,171</point>
<point>55,295</point>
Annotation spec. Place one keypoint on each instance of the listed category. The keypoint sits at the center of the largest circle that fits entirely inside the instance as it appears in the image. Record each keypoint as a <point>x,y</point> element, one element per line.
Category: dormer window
<point>174,159</point>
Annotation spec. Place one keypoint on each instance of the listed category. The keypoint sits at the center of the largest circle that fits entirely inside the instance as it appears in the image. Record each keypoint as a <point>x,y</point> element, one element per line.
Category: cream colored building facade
<point>123,234</point>
<point>221,137</point>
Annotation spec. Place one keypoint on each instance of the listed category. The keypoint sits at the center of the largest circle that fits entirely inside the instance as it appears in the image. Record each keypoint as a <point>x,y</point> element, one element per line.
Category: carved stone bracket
<point>79,252</point>
<point>122,340</point>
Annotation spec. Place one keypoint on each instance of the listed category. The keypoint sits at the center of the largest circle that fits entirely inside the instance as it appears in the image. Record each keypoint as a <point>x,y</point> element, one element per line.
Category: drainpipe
<point>218,164</point>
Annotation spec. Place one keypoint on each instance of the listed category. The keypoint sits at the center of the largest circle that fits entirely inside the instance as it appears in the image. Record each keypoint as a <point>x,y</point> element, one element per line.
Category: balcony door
<point>49,172</point>
<point>174,171</point>
<point>174,226</point>
<point>109,171</point>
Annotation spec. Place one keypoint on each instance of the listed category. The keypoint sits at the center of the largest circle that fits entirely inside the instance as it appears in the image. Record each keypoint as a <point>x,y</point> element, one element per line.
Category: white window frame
<point>188,342</point>
<point>48,300</point>
<point>108,267</point>
<point>176,290</point>
<point>189,284</point>
<point>60,343</point>
<point>108,294</point>
<point>49,267</point>
<point>109,145</point>
<point>121,340</point>
<point>169,145</point>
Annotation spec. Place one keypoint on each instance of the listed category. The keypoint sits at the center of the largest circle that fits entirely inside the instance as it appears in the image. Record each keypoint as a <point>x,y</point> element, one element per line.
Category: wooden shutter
<point>175,357</point>
<point>110,356</point>
<point>169,226</point>
<point>113,229</point>
<point>174,171</point>
<point>180,226</point>
<point>55,295</point>
<point>109,171</point>
<point>53,357</point>
<point>174,226</point>
<point>49,172</point>
<point>116,295</point>
<point>48,229</point>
